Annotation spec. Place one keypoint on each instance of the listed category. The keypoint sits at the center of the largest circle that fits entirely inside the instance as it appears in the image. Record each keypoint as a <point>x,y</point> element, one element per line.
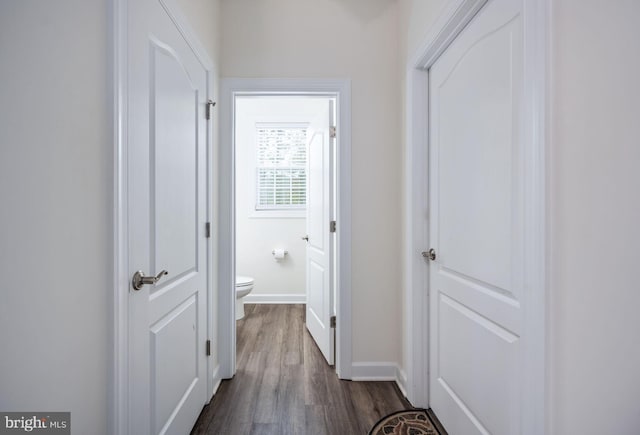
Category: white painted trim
<point>374,371</point>
<point>380,371</point>
<point>341,88</point>
<point>118,372</point>
<point>182,23</point>
<point>217,380</point>
<point>416,300</point>
<point>275,299</point>
<point>118,406</point>
<point>455,16</point>
<point>534,394</point>
<point>401,380</point>
<point>547,18</point>
<point>226,235</point>
<point>212,131</point>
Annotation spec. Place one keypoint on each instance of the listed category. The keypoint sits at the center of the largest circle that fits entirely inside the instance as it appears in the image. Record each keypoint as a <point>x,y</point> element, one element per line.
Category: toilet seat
<point>243,281</point>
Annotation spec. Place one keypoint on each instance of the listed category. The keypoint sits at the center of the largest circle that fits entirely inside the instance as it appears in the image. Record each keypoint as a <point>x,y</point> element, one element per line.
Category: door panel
<point>174,169</point>
<point>476,163</point>
<point>319,245</point>
<point>317,197</point>
<point>476,356</point>
<point>167,213</point>
<point>174,365</point>
<point>316,303</point>
<point>476,203</point>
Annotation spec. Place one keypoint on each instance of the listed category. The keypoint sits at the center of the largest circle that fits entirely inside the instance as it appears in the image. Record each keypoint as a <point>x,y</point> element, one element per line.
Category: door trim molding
<point>454,17</point>
<point>230,87</point>
<point>118,339</point>
<point>118,406</point>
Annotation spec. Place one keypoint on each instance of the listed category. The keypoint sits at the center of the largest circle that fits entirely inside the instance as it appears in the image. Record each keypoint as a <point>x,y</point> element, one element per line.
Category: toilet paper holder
<point>274,252</point>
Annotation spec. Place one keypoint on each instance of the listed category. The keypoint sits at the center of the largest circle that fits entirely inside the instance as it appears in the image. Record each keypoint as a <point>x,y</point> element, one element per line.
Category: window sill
<point>277,214</point>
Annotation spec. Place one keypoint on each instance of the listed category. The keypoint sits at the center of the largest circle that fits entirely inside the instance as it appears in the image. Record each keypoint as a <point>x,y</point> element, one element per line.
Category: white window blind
<point>281,174</point>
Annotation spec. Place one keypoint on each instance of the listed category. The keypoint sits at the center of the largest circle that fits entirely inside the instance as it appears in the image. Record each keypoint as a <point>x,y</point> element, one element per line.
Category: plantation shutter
<point>281,178</point>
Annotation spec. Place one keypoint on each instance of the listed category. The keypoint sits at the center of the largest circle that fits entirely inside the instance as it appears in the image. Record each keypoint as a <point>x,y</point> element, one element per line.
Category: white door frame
<point>454,17</point>
<point>230,88</point>
<point>118,375</point>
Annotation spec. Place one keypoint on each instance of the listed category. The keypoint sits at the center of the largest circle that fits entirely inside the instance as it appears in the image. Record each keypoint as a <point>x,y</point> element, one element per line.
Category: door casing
<point>118,375</point>
<point>340,89</point>
<point>454,17</point>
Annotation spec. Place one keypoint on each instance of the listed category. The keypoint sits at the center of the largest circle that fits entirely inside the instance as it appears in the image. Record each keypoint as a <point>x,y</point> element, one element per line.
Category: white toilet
<point>244,285</point>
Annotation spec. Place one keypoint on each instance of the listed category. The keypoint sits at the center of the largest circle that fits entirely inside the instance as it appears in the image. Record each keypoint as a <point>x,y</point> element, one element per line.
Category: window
<point>281,173</point>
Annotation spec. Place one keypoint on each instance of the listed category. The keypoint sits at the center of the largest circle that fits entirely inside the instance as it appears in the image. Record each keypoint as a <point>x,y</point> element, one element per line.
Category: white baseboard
<point>275,299</point>
<point>380,371</point>
<point>373,371</point>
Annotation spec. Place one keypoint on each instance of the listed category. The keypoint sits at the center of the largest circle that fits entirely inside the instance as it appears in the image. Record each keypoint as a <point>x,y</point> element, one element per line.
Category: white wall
<point>55,196</point>
<point>256,237</point>
<point>354,39</point>
<point>55,192</point>
<point>416,18</point>
<point>204,18</point>
<point>594,295</point>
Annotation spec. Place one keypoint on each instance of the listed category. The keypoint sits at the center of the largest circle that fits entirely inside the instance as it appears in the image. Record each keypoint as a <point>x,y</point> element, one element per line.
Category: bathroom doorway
<point>282,150</point>
<point>284,206</point>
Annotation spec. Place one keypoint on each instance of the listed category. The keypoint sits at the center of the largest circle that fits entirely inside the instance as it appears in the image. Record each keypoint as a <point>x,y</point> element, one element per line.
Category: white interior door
<point>476,227</point>
<point>320,242</point>
<point>166,142</point>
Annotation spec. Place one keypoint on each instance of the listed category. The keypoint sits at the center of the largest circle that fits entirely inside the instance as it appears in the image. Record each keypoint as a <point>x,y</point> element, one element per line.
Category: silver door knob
<point>305,238</point>
<point>430,254</point>
<point>139,279</point>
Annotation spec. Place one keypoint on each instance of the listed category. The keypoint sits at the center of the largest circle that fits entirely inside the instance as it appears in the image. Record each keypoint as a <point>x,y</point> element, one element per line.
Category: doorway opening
<point>285,209</point>
<point>284,177</point>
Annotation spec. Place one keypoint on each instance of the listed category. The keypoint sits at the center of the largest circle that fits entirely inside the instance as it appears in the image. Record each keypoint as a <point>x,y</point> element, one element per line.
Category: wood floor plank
<point>265,429</point>
<point>315,367</point>
<point>267,400</point>
<point>283,385</point>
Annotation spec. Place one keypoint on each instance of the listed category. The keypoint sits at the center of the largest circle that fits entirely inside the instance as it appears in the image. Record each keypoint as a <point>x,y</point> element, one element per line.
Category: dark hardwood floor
<point>283,385</point>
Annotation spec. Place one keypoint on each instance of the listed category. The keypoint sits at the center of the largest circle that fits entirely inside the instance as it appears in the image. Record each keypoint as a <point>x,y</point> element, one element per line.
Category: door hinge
<point>332,131</point>
<point>332,226</point>
<point>208,347</point>
<point>207,230</point>
<point>332,322</point>
<point>210,105</point>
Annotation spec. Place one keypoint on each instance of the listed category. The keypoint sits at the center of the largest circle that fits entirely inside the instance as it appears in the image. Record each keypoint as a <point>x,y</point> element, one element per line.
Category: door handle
<point>139,279</point>
<point>305,238</point>
<point>430,254</point>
